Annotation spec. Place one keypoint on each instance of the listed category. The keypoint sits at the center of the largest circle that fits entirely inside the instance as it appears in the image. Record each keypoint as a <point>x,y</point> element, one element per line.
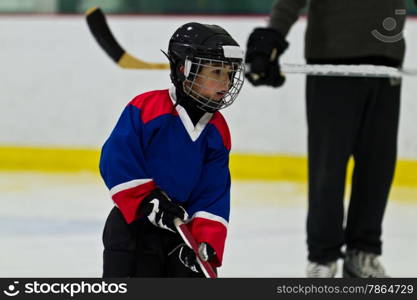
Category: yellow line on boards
<point>243,166</point>
<point>48,159</point>
<point>268,167</point>
<point>294,168</point>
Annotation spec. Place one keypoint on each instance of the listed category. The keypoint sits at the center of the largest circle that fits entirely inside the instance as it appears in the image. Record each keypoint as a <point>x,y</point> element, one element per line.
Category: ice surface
<point>51,225</point>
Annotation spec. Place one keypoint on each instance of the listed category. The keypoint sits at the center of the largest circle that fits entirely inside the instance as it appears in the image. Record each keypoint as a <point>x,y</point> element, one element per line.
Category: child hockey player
<point>168,157</point>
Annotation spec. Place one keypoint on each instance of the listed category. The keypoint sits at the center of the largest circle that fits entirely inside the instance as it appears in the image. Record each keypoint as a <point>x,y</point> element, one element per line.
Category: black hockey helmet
<point>195,45</point>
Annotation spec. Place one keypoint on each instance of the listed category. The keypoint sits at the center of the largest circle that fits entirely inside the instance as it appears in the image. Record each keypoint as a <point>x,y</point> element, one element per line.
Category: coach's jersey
<point>342,29</point>
<point>155,144</point>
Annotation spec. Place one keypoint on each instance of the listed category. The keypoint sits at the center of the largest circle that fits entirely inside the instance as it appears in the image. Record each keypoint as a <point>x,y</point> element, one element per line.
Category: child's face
<point>213,81</point>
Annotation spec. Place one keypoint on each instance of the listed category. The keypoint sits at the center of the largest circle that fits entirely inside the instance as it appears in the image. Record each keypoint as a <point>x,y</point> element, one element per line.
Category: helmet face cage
<point>193,69</point>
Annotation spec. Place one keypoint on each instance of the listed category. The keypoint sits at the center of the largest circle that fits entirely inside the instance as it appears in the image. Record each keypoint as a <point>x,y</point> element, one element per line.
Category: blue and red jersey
<point>155,144</point>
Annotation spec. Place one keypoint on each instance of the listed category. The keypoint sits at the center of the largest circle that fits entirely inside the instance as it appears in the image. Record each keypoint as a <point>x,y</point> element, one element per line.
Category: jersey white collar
<point>193,131</point>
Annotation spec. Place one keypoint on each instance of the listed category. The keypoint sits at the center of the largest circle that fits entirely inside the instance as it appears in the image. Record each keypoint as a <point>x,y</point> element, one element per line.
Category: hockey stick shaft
<point>97,23</point>
<point>346,70</point>
<point>190,241</point>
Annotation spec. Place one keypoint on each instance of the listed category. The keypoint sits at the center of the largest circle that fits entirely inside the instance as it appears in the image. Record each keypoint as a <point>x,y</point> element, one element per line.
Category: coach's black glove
<point>160,211</point>
<point>188,258</point>
<point>264,47</point>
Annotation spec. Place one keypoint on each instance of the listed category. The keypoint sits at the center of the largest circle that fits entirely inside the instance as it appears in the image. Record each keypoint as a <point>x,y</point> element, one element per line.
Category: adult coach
<point>346,116</point>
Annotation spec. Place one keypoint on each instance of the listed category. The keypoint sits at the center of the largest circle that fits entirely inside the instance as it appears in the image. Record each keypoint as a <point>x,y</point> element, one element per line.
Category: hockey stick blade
<point>99,28</point>
<point>190,241</point>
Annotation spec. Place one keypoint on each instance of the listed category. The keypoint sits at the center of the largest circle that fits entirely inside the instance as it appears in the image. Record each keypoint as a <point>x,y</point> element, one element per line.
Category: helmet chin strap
<point>186,101</point>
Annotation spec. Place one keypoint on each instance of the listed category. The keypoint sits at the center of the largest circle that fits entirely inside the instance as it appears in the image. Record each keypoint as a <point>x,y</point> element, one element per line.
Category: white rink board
<point>59,89</point>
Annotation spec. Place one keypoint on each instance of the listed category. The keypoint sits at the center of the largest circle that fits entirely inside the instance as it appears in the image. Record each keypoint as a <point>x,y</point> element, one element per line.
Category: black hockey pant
<point>349,117</point>
<point>140,249</point>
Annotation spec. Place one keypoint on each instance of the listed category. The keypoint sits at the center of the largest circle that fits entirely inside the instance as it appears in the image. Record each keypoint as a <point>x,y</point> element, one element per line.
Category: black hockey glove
<point>160,211</point>
<point>187,256</point>
<point>264,47</point>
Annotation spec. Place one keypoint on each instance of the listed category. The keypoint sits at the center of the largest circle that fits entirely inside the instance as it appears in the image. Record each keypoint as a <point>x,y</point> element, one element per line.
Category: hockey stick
<point>97,23</point>
<point>347,70</point>
<point>190,241</point>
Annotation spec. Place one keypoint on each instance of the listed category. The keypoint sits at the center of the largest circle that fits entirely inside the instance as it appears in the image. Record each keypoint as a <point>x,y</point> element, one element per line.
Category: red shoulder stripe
<point>220,123</point>
<point>153,104</point>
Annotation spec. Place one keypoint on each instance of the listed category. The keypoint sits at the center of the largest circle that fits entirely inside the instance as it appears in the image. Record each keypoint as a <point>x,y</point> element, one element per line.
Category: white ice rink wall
<point>59,90</point>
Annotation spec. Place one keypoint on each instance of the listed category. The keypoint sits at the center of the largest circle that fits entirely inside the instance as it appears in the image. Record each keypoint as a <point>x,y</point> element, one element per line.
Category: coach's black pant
<point>358,117</point>
<point>140,249</point>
